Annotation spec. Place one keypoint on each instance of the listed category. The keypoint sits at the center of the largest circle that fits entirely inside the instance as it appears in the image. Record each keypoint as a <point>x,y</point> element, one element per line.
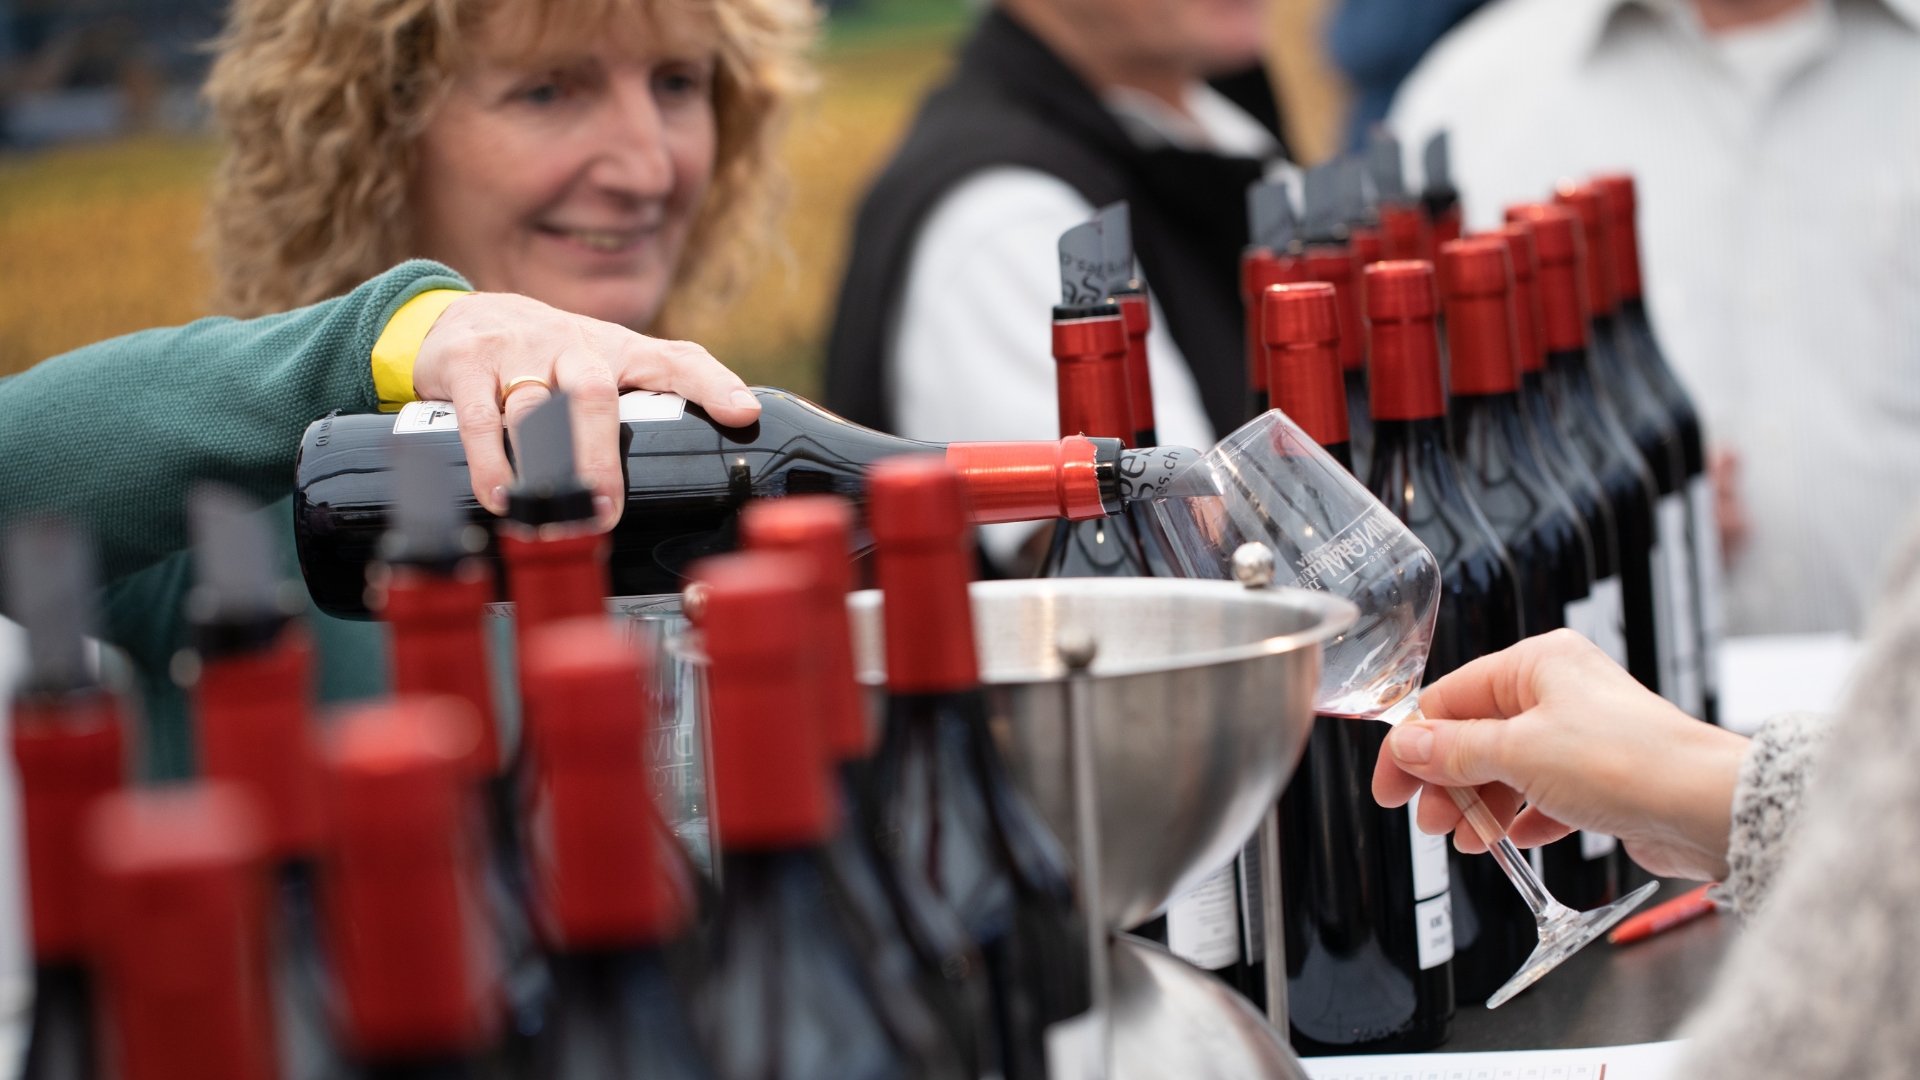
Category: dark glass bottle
<point>1643,348</point>
<point>1416,476</point>
<point>1583,869</point>
<point>409,928</point>
<point>787,993</point>
<point>1137,311</point>
<point>179,935</point>
<point>901,926</point>
<point>1090,358</point>
<point>1355,979</point>
<point>253,683</point>
<point>612,892</point>
<point>1340,266</point>
<point>1592,429</point>
<point>943,802</point>
<point>1646,419</point>
<point>68,740</point>
<point>687,478</point>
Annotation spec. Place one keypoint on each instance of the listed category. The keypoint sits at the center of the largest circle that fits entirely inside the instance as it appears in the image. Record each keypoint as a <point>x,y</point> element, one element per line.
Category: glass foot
<point>1567,933</point>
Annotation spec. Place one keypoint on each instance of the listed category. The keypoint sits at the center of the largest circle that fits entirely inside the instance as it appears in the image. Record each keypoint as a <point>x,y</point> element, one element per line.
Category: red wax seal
<point>820,528</point>
<point>1623,208</point>
<point>409,932</point>
<point>1302,332</point>
<point>1480,331</point>
<point>1596,226</point>
<point>181,946</point>
<point>1090,372</point>
<point>1404,376</point>
<point>440,642</point>
<point>597,839</point>
<point>1137,313</point>
<point>1557,244</point>
<point>1029,481</point>
<point>69,750</point>
<point>925,560</point>
<point>1339,266</point>
<point>770,760</point>
<point>256,732</point>
<point>1518,236</point>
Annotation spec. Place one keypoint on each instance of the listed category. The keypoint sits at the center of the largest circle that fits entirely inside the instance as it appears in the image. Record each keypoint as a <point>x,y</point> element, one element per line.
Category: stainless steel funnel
<point>1202,698</point>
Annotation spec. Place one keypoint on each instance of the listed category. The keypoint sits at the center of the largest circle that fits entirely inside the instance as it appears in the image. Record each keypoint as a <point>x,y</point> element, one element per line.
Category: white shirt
<point>1778,170</point>
<point>972,356</point>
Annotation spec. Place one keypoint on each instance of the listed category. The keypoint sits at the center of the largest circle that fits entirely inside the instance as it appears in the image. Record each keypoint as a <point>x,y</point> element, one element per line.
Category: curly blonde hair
<point>321,101</point>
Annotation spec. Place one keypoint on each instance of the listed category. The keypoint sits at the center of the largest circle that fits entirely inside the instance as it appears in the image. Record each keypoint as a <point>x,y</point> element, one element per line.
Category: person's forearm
<point>112,435</point>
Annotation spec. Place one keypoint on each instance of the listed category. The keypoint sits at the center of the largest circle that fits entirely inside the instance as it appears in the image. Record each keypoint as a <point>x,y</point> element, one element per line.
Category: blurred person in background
<point>1776,145</point>
<point>943,329</point>
<point>1376,43</point>
<point>612,160</point>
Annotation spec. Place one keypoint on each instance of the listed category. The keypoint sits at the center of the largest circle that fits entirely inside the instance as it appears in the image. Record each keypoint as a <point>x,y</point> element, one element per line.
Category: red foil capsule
<point>770,762</point>
<point>1260,270</point>
<point>408,928</point>
<point>1302,333</point>
<point>1137,312</point>
<point>1480,332</point>
<point>1029,481</point>
<point>255,731</point>
<point>1518,237</point>
<point>1623,207</point>
<point>1339,266</point>
<point>1596,226</point>
<point>1404,376</point>
<point>1557,244</point>
<point>1405,233</point>
<point>440,644</point>
<point>550,579</point>
<point>596,839</point>
<point>1090,372</point>
<point>820,529</point>
<point>1446,224</point>
<point>69,750</point>
<point>916,511</point>
<point>181,946</point>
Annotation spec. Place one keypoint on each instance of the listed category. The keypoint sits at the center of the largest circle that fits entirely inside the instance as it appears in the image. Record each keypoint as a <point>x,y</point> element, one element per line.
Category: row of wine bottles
<point>407,889</point>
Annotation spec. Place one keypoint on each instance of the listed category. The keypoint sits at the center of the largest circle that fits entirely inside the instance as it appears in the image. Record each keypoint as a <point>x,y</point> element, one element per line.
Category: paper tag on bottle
<point>1601,618</point>
<point>1679,630</point>
<point>1707,575</point>
<point>639,406</point>
<point>1433,929</point>
<point>1203,924</point>
<point>1596,845</point>
<point>1074,1050</point>
<point>1252,901</point>
<point>418,416</point>
<point>1430,875</point>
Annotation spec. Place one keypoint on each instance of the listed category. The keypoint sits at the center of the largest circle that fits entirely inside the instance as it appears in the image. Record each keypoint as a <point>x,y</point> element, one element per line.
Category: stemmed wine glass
<point>1269,484</point>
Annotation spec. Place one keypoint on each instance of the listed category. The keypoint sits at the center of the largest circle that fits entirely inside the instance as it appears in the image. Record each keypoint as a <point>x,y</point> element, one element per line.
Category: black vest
<point>1013,102</point>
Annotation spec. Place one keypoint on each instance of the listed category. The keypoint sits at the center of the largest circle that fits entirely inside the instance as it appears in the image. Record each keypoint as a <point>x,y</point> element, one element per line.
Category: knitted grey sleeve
<point>1825,978</point>
<point>1766,803</point>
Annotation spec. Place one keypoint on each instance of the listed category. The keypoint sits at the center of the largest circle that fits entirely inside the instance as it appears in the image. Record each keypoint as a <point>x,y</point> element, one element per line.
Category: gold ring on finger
<point>520,381</point>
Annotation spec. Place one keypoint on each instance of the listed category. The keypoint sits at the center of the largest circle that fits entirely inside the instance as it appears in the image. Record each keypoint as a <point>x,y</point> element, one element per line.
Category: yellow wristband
<point>399,346</point>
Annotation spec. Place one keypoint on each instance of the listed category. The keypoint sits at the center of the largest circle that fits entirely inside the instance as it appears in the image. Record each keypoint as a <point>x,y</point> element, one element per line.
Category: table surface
<point>1607,995</point>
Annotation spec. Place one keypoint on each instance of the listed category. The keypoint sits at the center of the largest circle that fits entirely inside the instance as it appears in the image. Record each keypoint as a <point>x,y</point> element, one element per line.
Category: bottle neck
<point>1480,339</point>
<point>1308,384</point>
<point>69,750</point>
<point>1090,371</point>
<point>1404,377</point>
<point>254,730</point>
<point>553,578</point>
<point>1137,314</point>
<point>928,617</point>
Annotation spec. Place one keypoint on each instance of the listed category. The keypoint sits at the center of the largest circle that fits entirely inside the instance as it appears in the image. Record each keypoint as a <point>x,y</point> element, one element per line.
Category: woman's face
<point>571,172</point>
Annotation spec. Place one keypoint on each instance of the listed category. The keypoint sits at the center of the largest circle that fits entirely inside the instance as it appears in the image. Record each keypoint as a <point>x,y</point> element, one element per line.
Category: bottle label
<point>1707,575</point>
<point>1433,924</point>
<point>418,416</point>
<point>639,406</point>
<point>636,406</point>
<point>1430,875</point>
<point>1596,845</point>
<point>1252,902</point>
<point>1203,924</point>
<point>1601,617</point>
<point>1678,633</point>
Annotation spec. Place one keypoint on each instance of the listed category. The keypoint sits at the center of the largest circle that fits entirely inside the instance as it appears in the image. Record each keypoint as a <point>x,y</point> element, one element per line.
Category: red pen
<point>1683,908</point>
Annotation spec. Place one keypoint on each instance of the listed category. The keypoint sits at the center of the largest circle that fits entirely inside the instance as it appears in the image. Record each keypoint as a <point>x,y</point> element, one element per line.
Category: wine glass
<point>1269,484</point>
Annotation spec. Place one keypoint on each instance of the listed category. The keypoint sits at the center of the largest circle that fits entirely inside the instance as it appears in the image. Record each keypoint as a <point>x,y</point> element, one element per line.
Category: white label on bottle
<point>1252,901</point>
<point>1601,617</point>
<point>638,406</point>
<point>1596,845</point>
<point>1429,856</point>
<point>418,416</point>
<point>1707,573</point>
<point>1203,924</point>
<point>1673,600</point>
<point>1433,929</point>
<point>1073,1048</point>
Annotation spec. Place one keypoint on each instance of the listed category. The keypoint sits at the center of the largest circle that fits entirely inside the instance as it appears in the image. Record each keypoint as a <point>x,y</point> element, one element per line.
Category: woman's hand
<point>486,340</point>
<point>1555,723</point>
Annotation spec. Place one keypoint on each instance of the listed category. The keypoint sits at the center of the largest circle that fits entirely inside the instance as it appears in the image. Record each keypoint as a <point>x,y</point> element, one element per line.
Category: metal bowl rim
<point>1334,616</point>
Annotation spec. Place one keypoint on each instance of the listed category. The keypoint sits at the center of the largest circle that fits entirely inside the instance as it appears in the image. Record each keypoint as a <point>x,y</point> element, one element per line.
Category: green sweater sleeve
<point>111,436</point>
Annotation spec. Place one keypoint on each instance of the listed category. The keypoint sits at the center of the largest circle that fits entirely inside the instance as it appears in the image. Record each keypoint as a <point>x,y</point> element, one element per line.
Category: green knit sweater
<point>111,437</point>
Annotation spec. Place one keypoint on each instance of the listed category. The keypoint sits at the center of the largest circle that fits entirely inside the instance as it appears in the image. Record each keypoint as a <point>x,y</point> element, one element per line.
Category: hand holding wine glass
<point>1554,723</point>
